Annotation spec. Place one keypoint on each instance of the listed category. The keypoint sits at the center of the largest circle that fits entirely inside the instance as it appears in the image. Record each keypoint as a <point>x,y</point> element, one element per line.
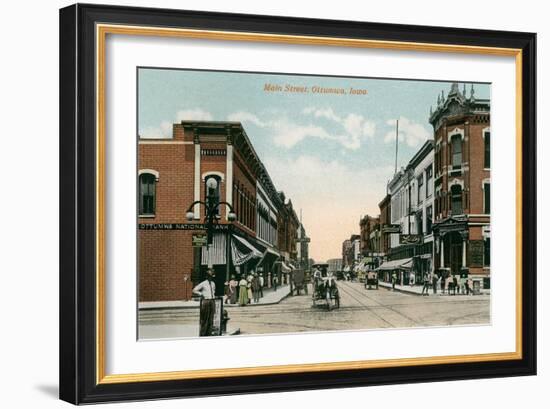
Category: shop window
<point>147,182</point>
<point>487,252</point>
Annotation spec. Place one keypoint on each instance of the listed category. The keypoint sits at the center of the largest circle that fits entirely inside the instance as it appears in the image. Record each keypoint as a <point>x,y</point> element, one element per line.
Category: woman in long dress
<point>234,285</point>
<point>243,291</point>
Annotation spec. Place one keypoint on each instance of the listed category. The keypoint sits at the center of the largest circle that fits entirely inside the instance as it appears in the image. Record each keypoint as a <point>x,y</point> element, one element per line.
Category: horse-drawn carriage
<point>325,289</point>
<point>371,280</point>
<point>299,282</point>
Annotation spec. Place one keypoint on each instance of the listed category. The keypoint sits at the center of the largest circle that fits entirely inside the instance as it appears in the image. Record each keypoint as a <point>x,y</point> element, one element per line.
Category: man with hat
<point>207,291</point>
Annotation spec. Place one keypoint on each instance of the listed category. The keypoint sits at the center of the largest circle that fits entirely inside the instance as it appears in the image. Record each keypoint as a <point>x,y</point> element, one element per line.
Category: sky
<point>331,153</point>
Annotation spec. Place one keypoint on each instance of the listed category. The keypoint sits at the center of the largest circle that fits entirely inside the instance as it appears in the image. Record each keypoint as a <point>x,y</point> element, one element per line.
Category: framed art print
<point>258,203</point>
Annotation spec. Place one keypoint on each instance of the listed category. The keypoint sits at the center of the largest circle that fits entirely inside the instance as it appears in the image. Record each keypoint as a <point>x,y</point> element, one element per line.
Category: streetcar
<point>325,290</point>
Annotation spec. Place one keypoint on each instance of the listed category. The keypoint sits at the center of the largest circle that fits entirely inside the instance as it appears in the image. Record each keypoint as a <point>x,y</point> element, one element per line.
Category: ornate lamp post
<point>211,206</point>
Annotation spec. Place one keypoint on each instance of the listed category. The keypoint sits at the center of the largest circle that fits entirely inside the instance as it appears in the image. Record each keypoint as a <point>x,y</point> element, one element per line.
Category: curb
<point>183,307</point>
<point>406,291</point>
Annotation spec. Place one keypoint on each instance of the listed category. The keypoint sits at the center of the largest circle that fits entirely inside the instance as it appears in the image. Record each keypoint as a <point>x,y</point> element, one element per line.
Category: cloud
<point>412,133</point>
<point>164,130</point>
<point>243,116</point>
<point>332,196</point>
<point>349,131</point>
<point>355,126</point>
<point>196,114</point>
<point>160,132</point>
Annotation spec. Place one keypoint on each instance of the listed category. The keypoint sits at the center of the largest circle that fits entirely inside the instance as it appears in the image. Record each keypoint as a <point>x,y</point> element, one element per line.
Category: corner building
<point>462,185</point>
<point>172,174</point>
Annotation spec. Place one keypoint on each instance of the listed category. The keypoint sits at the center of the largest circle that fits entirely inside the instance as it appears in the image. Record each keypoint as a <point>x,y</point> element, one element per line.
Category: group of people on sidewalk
<point>452,284</point>
<point>249,289</point>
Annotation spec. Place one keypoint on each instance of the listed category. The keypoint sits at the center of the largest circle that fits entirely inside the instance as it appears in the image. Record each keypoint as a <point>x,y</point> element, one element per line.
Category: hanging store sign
<point>391,228</point>
<point>199,240</point>
<point>410,239</point>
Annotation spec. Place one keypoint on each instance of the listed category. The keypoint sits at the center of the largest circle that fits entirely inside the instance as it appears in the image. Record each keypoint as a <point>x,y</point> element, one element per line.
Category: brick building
<point>172,174</point>
<point>462,185</point>
<point>385,222</point>
<point>368,225</point>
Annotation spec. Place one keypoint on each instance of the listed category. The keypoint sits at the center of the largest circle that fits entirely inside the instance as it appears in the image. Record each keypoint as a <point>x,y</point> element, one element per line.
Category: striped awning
<point>242,250</point>
<point>401,264</point>
<point>215,252</point>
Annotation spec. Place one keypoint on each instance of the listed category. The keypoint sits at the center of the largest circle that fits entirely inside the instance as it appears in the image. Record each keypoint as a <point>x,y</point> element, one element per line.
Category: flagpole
<point>396,144</point>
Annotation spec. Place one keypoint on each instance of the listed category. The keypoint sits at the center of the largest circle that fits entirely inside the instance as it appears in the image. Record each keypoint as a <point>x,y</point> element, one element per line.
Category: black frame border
<point>77,255</point>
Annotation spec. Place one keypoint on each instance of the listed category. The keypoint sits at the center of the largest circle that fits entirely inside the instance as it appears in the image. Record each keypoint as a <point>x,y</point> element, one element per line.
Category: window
<point>214,194</point>
<point>420,183</point>
<point>147,194</point>
<point>456,146</point>
<point>487,198</point>
<point>487,150</point>
<point>456,199</point>
<point>419,223</point>
<point>429,218</point>
<point>487,252</point>
<point>429,182</point>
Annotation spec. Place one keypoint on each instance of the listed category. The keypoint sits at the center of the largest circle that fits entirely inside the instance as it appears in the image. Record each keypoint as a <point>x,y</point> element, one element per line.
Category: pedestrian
<point>255,285</point>
<point>411,279</point>
<point>426,286</point>
<point>455,285</point>
<point>393,281</point>
<point>243,291</point>
<point>233,290</point>
<point>470,286</point>
<point>434,283</point>
<point>261,278</point>
<point>249,287</point>
<point>207,291</point>
<point>447,285</point>
<point>441,283</point>
<point>275,282</point>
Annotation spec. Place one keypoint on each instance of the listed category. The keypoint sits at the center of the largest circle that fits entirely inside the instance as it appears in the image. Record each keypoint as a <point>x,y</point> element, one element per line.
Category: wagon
<point>325,290</point>
<point>371,280</point>
<point>298,282</point>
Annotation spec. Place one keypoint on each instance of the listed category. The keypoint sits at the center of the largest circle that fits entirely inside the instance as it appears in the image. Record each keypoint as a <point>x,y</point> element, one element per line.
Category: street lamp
<point>211,206</point>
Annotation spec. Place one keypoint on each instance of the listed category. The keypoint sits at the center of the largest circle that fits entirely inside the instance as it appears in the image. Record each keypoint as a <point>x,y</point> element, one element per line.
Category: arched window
<point>456,146</point>
<point>147,194</point>
<point>213,194</point>
<point>456,199</point>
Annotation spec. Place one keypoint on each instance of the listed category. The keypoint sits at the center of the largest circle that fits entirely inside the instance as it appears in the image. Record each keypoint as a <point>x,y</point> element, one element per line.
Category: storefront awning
<point>216,252</point>
<point>403,264</point>
<point>285,268</point>
<point>346,269</point>
<point>242,250</point>
<point>360,267</point>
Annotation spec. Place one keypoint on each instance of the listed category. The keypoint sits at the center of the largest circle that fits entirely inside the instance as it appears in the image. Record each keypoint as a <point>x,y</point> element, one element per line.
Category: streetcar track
<point>349,287</point>
<point>366,306</point>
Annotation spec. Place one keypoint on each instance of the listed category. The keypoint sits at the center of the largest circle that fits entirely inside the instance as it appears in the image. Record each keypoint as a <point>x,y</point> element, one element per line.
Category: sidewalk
<point>270,297</point>
<point>417,289</point>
